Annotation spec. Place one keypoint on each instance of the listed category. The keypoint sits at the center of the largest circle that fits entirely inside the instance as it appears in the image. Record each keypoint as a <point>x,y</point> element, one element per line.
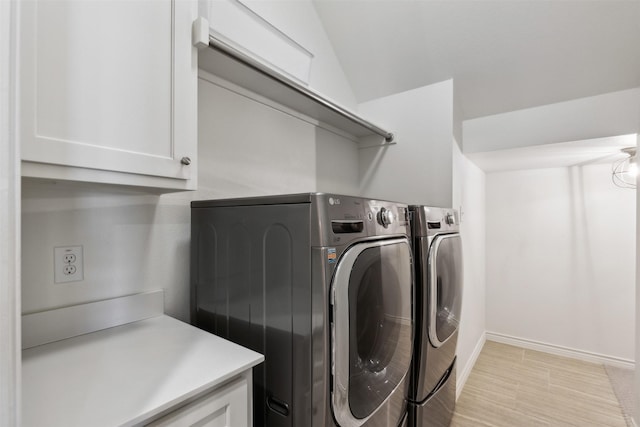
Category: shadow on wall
<point>336,160</point>
<point>370,164</point>
<point>580,235</point>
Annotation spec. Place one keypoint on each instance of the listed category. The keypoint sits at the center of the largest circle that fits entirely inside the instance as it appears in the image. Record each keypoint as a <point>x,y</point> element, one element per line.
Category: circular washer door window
<point>372,327</point>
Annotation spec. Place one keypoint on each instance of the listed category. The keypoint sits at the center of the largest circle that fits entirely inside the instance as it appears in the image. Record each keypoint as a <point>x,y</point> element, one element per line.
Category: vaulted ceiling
<point>503,55</point>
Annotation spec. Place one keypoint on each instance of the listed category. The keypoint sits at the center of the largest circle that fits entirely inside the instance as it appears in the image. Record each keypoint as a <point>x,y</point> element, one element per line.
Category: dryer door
<point>372,331</point>
<point>445,287</point>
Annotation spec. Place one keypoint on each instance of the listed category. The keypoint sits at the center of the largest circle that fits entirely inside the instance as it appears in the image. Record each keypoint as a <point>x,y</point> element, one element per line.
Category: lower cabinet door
<point>226,406</point>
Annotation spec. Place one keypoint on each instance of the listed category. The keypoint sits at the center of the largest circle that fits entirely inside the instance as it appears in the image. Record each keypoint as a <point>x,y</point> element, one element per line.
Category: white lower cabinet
<point>108,92</point>
<point>227,406</point>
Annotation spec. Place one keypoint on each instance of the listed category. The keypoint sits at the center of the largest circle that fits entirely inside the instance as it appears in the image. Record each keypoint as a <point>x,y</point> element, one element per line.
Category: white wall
<point>598,116</point>
<point>636,415</point>
<point>248,148</point>
<point>418,170</point>
<point>561,259</point>
<point>469,198</point>
<point>119,234</point>
<point>10,359</point>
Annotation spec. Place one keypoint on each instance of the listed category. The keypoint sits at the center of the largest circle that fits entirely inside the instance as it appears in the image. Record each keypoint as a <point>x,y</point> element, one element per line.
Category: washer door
<point>445,287</point>
<point>372,330</point>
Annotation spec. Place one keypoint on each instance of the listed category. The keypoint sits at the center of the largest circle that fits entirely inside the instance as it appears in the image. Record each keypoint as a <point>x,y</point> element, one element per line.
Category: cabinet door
<point>109,86</point>
<point>225,407</point>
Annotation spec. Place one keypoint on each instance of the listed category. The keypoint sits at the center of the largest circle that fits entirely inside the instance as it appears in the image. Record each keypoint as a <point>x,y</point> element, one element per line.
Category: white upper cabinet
<point>109,92</point>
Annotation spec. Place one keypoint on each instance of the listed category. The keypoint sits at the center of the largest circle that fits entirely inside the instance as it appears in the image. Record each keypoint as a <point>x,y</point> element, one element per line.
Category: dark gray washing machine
<point>322,285</point>
<point>438,260</point>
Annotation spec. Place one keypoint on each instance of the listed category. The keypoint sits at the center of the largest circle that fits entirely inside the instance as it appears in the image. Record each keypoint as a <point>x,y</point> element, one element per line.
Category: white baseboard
<point>466,370</point>
<point>561,350</point>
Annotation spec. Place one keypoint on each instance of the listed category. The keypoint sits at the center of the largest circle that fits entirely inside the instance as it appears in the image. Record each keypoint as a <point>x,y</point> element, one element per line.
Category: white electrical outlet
<point>67,261</point>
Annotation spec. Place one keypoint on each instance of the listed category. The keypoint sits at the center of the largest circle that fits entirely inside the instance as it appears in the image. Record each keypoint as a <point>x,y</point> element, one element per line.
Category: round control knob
<point>385,217</point>
<point>450,218</point>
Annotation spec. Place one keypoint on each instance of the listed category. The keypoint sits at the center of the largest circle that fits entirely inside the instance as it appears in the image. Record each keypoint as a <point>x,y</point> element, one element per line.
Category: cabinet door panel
<point>225,407</point>
<point>98,82</point>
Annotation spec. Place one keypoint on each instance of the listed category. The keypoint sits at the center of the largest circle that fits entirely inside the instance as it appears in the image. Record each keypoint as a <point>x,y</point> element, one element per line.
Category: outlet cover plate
<point>68,264</point>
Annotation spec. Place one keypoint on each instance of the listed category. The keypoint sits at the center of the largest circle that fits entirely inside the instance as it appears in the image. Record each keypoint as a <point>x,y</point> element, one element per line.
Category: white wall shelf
<point>225,60</point>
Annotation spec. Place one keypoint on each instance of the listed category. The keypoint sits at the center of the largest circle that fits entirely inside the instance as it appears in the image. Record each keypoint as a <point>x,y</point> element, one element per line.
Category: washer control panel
<point>344,219</point>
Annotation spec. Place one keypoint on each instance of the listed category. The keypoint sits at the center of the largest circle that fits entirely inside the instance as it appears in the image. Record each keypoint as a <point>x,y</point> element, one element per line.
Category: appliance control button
<point>385,217</point>
<point>451,219</point>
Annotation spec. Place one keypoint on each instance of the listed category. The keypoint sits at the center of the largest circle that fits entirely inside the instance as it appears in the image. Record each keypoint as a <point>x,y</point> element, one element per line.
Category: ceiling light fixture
<point>625,171</point>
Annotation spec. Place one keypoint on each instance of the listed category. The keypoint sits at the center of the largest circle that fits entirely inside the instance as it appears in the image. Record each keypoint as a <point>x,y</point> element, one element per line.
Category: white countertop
<point>126,374</point>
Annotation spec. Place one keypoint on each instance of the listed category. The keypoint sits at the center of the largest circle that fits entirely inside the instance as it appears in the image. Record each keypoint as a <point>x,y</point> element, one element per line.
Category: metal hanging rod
<point>227,49</point>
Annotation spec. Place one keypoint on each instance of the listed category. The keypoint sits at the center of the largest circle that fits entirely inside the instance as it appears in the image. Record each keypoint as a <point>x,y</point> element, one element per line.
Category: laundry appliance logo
<point>334,201</point>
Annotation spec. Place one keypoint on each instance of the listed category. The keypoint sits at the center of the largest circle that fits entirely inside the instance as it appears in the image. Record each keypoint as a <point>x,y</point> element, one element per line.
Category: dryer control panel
<point>429,221</point>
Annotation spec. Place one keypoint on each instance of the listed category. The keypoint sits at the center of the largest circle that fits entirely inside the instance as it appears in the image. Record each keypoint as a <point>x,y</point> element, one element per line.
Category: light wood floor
<point>514,387</point>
